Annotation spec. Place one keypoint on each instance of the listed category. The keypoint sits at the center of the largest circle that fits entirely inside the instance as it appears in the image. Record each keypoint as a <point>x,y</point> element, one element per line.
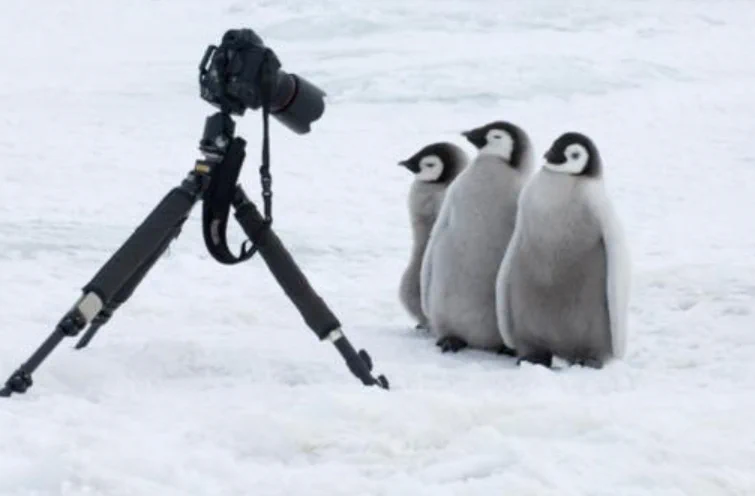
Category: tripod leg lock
<point>334,335</point>
<point>89,305</point>
<point>72,323</point>
<point>84,311</point>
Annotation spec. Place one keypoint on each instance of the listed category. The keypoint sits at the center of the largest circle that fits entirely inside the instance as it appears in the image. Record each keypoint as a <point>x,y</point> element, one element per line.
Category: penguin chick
<point>434,167</point>
<point>469,239</point>
<point>563,286</point>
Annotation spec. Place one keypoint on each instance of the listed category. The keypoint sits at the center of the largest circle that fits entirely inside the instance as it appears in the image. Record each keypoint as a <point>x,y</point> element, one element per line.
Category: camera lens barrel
<point>285,91</point>
<point>297,102</point>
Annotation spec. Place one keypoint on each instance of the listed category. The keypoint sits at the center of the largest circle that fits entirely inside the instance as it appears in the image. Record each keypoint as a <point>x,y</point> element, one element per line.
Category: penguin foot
<point>451,343</point>
<point>544,358</point>
<point>592,363</point>
<point>505,350</point>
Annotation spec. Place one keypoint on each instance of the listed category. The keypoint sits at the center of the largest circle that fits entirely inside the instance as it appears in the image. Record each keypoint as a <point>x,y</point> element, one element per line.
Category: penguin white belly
<point>556,298</point>
<point>464,253</point>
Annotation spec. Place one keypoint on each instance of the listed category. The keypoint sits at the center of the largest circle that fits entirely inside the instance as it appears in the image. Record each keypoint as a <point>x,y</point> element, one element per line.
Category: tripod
<point>119,277</point>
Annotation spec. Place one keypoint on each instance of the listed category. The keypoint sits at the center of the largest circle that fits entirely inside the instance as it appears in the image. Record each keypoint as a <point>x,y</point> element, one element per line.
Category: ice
<point>207,382</point>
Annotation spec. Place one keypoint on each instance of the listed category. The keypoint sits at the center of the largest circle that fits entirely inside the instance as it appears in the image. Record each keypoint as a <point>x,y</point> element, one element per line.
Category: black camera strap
<point>216,207</point>
<point>219,196</point>
<point>265,177</point>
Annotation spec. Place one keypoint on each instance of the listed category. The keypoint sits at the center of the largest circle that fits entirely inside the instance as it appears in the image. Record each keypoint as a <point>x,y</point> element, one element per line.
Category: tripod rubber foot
<point>19,382</point>
<point>380,380</point>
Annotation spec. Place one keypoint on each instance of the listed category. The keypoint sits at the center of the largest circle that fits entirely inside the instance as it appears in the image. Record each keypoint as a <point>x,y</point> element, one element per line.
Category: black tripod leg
<point>312,308</point>
<point>147,240</point>
<point>125,293</point>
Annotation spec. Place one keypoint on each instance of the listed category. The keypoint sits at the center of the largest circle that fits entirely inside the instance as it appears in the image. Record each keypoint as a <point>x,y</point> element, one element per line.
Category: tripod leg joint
<point>89,306</point>
<point>72,323</point>
<point>85,310</point>
<point>334,335</point>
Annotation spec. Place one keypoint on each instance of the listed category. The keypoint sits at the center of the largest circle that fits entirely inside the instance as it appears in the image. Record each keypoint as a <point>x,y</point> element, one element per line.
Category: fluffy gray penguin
<point>434,167</point>
<point>563,285</point>
<point>469,239</point>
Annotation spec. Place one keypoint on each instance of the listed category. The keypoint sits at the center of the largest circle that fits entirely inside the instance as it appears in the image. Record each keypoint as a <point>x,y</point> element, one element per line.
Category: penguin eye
<point>574,155</point>
<point>430,162</point>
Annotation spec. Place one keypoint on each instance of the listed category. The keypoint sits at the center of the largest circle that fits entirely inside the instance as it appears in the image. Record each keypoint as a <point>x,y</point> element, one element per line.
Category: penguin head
<point>574,154</point>
<point>500,138</point>
<point>436,163</point>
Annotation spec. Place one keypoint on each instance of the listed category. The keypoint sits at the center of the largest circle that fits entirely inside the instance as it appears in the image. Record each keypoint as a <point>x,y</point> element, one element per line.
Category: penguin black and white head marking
<point>435,163</point>
<point>574,154</point>
<point>499,138</point>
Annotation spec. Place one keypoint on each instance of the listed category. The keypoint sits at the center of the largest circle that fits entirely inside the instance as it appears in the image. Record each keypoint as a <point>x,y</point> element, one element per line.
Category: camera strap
<point>216,207</point>
<point>219,196</point>
<point>265,177</point>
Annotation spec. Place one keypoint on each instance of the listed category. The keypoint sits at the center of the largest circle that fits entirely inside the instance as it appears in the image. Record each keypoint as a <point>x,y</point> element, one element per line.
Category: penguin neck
<point>496,156</point>
<point>556,189</point>
<point>493,167</point>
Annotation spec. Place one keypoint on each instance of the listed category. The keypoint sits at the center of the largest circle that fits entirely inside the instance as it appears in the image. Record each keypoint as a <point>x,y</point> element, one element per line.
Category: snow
<point>208,382</point>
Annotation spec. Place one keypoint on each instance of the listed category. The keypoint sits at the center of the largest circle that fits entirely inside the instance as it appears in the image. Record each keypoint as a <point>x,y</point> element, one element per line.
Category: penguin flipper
<point>503,313</point>
<point>426,266</point>
<point>424,284</point>
<point>425,272</point>
<point>618,266</point>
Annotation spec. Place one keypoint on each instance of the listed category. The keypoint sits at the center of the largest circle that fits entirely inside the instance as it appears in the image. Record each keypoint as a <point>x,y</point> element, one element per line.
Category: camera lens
<point>297,102</point>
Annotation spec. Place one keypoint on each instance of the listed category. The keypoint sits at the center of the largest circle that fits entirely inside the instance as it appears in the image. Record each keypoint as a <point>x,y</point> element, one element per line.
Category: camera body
<point>243,73</point>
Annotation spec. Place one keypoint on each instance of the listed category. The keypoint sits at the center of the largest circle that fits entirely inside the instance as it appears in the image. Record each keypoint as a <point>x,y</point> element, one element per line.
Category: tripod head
<point>217,135</point>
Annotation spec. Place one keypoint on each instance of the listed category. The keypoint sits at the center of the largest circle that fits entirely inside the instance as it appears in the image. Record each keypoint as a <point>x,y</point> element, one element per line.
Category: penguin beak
<point>409,165</point>
<point>475,136</point>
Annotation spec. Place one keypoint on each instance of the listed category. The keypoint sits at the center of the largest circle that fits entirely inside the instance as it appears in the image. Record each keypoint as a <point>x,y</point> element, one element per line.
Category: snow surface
<point>207,382</point>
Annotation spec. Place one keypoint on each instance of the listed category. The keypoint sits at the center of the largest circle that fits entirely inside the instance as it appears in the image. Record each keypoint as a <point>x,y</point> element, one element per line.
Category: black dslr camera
<point>243,73</point>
